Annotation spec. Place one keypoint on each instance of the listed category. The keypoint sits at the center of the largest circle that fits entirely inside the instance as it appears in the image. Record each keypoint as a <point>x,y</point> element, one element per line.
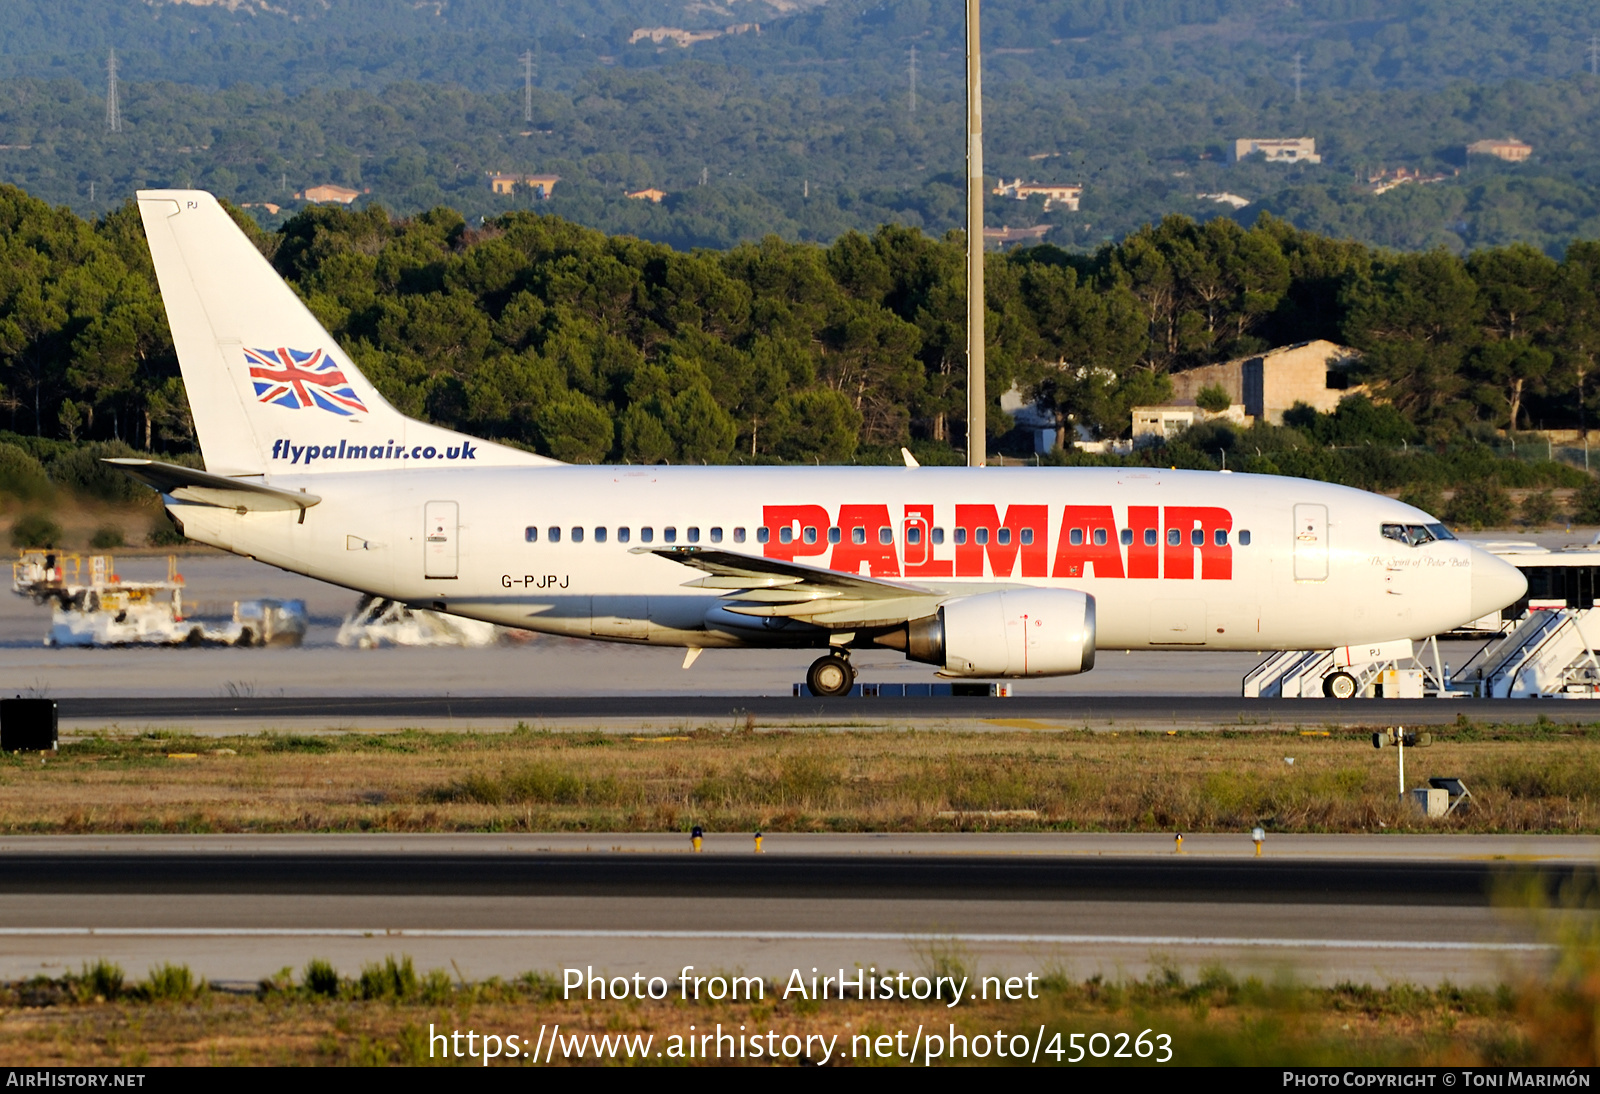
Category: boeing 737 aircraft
<point>1000,572</point>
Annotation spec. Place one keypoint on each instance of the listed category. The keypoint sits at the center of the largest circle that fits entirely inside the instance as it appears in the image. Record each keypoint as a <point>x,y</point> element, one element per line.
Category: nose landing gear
<point>831,675</point>
<point>1340,685</point>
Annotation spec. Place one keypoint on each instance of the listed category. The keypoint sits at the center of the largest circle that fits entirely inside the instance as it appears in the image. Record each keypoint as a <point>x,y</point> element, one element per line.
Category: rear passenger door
<point>440,540</point>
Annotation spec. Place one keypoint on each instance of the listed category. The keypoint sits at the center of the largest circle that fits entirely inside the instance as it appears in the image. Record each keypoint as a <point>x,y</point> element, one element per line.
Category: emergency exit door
<point>439,543</point>
<point>1311,543</point>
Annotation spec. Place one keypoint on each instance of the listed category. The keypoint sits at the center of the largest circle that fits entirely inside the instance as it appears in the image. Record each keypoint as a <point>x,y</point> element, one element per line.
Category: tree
<point>1415,318</point>
<point>1578,344</point>
<point>1520,308</point>
<point>819,425</point>
<point>574,430</point>
<point>1213,398</point>
<point>1084,347</point>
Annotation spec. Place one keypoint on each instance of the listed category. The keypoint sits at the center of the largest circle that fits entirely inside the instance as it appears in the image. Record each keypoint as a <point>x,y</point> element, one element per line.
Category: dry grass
<point>1526,779</point>
<point>383,1017</point>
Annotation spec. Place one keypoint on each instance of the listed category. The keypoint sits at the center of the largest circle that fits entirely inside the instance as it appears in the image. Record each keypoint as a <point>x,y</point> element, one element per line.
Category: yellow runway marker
<point>1022,723</point>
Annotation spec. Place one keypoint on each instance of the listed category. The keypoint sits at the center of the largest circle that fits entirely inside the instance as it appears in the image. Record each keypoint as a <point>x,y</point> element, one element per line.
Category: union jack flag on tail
<point>297,379</point>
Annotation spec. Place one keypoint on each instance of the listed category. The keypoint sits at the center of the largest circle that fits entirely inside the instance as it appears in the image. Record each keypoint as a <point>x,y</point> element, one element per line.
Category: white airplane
<point>999,572</point>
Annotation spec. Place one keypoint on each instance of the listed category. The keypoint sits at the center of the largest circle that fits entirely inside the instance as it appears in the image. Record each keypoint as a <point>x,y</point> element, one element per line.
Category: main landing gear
<point>831,675</point>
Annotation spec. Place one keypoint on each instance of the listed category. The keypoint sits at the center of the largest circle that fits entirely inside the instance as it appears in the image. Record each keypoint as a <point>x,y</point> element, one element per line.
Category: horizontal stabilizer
<point>204,488</point>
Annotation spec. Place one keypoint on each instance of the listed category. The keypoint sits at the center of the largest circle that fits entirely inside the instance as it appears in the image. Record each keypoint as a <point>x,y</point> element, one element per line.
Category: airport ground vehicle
<point>981,573</point>
<point>94,606</point>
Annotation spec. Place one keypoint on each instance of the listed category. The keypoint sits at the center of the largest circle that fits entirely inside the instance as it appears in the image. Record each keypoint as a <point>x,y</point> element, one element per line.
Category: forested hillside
<point>534,330</point>
<point>852,45</point>
<point>807,129</point>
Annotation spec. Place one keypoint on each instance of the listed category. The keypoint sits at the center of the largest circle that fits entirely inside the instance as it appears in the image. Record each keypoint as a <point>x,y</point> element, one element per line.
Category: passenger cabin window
<point>1244,538</point>
<point>553,535</point>
<point>938,536</point>
<point>763,534</point>
<point>1099,537</point>
<point>858,535</point>
<point>716,535</point>
<point>834,535</point>
<point>599,535</point>
<point>577,535</point>
<point>646,535</point>
<point>669,535</point>
<point>622,535</point>
<point>1220,537</point>
<point>961,536</point>
<point>694,535</point>
<point>785,534</point>
<point>913,535</point>
<point>810,534</point>
<point>738,536</point>
<point>1075,537</point>
<point>1174,537</point>
<point>1003,536</point>
<point>1150,537</point>
<point>886,536</point>
<point>1198,537</point>
<point>1126,537</point>
<point>531,535</point>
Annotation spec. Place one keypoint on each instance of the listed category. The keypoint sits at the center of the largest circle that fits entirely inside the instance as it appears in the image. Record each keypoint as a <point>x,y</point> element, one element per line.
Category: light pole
<point>977,399</point>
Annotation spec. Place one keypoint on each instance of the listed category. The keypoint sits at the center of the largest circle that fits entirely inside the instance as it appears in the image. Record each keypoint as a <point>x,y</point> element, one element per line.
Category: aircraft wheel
<point>830,675</point>
<point>1340,685</point>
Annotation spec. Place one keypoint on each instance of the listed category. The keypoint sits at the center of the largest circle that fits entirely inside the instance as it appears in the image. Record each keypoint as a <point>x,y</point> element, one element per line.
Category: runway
<point>631,713</point>
<point>238,907</point>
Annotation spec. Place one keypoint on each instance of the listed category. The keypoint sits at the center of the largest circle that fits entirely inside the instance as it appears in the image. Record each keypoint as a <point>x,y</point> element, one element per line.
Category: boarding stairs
<point>1547,654</point>
<point>1389,669</point>
<point>1298,674</point>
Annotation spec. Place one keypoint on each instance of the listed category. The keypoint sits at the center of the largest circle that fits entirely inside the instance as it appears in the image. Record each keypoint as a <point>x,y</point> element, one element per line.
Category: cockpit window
<point>1415,535</point>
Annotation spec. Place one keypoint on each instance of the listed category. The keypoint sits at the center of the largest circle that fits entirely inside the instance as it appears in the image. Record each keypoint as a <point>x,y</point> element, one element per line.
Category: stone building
<point>1267,384</point>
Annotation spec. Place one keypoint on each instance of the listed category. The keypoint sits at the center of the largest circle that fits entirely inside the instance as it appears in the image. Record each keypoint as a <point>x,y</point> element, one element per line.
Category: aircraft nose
<point>1495,583</point>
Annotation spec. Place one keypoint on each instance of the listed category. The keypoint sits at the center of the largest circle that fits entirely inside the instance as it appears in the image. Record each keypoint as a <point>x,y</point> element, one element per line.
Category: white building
<point>1276,149</point>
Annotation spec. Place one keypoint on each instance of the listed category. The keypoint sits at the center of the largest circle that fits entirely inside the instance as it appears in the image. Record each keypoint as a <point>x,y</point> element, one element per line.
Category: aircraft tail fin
<point>269,388</point>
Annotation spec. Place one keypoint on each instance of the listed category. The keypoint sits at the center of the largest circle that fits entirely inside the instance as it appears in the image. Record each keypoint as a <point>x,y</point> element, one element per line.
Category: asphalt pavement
<point>238,907</point>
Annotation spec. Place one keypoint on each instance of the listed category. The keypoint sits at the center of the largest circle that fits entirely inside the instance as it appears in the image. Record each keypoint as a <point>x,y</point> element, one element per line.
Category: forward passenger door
<point>1311,543</point>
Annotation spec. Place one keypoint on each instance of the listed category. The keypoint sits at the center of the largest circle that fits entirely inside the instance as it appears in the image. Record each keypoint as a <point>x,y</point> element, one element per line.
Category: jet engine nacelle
<point>1029,632</point>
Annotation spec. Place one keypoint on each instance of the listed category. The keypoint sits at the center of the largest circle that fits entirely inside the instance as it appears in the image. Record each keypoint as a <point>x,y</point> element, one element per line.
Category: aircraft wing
<point>772,587</point>
<point>204,488</point>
